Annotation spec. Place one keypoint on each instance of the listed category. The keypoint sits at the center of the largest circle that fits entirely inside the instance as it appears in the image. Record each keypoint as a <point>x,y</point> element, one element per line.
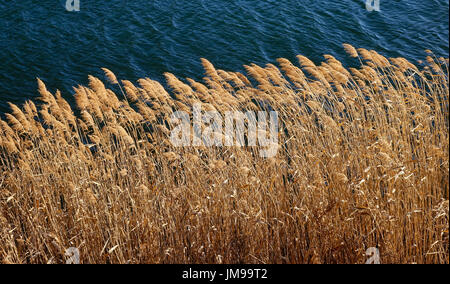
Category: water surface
<point>144,38</point>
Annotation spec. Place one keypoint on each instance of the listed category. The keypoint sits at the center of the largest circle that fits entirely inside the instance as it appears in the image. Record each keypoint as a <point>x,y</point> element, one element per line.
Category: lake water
<point>144,38</point>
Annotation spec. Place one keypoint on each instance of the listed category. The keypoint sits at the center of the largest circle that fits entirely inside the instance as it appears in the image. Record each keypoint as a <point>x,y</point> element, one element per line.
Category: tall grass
<point>363,162</point>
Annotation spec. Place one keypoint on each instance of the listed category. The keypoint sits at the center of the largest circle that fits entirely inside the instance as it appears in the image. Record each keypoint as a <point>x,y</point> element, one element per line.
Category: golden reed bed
<point>363,162</point>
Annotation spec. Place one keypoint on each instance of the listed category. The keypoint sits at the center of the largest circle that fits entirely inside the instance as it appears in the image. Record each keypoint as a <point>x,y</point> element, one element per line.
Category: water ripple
<point>146,38</point>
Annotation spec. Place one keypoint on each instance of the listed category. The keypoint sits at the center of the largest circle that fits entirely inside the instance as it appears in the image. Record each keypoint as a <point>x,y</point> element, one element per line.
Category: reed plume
<point>362,161</point>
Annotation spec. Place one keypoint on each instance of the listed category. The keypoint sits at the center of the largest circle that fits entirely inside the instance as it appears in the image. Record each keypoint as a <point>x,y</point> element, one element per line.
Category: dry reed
<point>363,162</point>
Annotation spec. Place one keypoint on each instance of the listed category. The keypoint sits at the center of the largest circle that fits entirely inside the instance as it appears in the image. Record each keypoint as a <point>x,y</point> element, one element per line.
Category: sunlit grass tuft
<point>363,162</point>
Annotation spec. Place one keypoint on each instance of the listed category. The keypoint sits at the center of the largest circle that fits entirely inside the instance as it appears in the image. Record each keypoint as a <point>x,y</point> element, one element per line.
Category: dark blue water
<point>144,38</point>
